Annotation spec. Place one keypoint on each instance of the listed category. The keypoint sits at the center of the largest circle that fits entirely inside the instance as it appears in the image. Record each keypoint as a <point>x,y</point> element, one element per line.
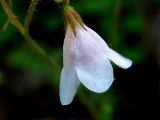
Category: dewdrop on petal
<point>86,59</point>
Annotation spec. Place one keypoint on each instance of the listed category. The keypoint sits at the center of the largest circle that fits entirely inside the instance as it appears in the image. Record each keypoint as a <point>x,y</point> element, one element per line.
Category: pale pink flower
<point>86,59</point>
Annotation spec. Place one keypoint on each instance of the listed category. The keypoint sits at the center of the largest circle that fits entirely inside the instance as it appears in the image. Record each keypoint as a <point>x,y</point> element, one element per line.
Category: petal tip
<point>127,64</point>
<point>100,90</point>
<point>65,102</point>
<point>118,59</point>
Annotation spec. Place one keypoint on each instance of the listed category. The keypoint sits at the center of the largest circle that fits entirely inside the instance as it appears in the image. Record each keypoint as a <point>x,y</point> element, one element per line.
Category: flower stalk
<point>5,26</point>
<point>72,18</point>
<point>12,16</point>
<point>31,42</point>
<point>31,10</point>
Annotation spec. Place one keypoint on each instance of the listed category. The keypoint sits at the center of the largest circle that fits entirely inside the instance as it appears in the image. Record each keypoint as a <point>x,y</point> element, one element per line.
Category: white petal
<point>118,59</point>
<point>68,86</point>
<point>112,55</point>
<point>96,75</point>
<point>97,37</point>
<point>69,81</point>
<point>92,66</point>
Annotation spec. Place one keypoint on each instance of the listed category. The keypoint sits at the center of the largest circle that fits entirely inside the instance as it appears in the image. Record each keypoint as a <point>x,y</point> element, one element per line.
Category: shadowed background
<point>29,88</point>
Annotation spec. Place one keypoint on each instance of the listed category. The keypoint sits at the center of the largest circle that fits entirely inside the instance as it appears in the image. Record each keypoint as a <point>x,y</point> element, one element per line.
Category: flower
<point>86,60</point>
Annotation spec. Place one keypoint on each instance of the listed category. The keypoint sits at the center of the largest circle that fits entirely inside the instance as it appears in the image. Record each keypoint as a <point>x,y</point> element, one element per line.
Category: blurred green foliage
<point>47,20</point>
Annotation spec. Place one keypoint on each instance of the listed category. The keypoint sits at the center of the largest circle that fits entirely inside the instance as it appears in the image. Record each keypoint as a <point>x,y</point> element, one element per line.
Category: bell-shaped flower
<point>86,60</point>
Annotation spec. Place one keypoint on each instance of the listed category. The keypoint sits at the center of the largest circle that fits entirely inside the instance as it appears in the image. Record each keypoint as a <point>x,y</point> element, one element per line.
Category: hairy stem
<point>5,26</point>
<point>31,42</point>
<point>12,16</point>
<point>31,10</point>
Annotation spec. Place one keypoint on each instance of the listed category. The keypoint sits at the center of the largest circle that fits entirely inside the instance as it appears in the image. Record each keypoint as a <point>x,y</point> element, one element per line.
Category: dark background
<point>29,87</point>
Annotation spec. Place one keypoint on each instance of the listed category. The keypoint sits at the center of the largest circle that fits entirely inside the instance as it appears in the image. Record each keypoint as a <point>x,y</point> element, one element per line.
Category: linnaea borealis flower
<point>86,59</point>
